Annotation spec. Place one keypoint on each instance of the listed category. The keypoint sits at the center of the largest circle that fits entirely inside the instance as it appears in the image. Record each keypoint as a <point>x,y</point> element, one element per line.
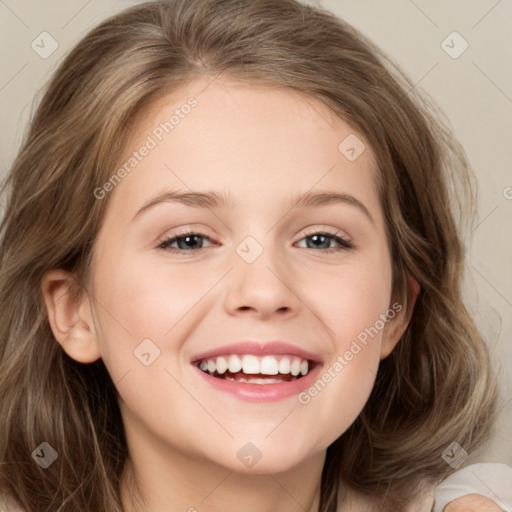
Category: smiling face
<point>260,267</point>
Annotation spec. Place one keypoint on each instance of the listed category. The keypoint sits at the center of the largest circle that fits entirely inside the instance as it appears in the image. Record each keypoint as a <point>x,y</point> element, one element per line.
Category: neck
<point>155,478</point>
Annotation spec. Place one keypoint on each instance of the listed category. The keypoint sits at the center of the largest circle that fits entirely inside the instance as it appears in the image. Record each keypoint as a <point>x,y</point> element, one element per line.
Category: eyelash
<point>344,244</point>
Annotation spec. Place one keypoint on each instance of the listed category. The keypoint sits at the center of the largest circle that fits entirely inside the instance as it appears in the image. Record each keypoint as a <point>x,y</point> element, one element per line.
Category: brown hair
<point>436,387</point>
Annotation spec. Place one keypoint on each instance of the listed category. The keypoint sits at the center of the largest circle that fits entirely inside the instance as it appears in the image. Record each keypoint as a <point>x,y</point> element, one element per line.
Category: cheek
<point>352,302</point>
<point>143,301</point>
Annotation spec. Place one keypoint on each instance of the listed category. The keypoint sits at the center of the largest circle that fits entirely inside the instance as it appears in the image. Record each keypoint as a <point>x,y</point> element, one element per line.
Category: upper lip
<point>257,348</point>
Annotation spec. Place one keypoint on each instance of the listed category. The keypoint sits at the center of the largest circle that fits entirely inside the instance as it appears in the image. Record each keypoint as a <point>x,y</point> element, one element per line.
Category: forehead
<point>229,107</point>
<point>245,138</point>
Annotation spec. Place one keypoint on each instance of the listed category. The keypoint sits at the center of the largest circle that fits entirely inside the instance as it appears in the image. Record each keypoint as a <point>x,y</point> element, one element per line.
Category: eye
<point>192,241</point>
<point>319,239</point>
<point>187,242</point>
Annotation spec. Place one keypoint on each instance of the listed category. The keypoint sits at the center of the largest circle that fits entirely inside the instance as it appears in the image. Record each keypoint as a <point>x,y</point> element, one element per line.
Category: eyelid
<point>346,242</point>
<point>343,242</point>
<point>184,233</point>
<point>326,231</point>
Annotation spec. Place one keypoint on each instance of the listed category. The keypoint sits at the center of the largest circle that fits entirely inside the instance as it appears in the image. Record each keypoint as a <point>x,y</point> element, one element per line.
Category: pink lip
<point>258,348</point>
<point>262,392</point>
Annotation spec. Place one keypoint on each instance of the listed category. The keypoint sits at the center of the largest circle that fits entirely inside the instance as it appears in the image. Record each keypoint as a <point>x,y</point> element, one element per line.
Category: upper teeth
<point>250,364</point>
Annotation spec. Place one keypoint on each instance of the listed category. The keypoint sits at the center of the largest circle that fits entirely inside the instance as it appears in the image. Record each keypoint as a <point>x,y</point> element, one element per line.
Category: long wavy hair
<point>436,387</point>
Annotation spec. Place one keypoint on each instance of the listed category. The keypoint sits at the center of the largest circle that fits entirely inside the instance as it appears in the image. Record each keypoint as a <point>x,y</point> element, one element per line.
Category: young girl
<point>230,277</point>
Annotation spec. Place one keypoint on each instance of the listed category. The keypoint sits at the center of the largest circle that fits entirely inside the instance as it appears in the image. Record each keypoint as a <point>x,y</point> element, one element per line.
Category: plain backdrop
<point>473,87</point>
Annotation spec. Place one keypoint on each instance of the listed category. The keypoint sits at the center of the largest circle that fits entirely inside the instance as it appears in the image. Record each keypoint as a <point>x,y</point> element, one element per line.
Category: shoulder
<point>492,480</point>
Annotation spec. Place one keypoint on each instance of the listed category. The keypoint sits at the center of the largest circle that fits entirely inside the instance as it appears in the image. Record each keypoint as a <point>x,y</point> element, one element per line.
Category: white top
<point>492,480</point>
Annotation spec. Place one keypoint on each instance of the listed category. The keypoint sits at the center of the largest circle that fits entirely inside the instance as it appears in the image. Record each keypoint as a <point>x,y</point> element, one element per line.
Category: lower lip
<point>261,392</point>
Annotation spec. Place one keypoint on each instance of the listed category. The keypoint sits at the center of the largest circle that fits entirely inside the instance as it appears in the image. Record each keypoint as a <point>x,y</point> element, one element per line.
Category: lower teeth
<point>254,379</point>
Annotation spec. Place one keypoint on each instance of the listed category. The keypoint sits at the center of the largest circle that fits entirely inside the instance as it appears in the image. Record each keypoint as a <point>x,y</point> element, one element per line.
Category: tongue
<point>256,378</point>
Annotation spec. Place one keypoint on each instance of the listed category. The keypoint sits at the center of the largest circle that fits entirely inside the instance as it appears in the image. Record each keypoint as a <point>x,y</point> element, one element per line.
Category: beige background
<point>474,90</point>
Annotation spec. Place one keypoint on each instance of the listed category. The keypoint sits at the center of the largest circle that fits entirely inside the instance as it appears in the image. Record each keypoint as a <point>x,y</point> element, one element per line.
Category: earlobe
<point>397,326</point>
<point>69,315</point>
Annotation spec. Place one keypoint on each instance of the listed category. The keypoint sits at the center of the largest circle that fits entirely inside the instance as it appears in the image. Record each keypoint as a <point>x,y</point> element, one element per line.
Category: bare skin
<point>472,503</point>
<point>263,147</point>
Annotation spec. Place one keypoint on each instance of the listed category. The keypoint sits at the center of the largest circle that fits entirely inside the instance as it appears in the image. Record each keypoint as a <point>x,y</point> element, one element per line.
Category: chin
<point>251,459</point>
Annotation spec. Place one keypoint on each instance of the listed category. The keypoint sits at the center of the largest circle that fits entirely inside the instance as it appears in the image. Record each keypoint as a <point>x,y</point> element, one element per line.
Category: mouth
<point>254,369</point>
<point>257,371</point>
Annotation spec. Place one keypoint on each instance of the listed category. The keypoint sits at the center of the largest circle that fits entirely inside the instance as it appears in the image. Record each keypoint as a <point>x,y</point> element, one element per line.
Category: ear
<point>396,326</point>
<point>70,316</point>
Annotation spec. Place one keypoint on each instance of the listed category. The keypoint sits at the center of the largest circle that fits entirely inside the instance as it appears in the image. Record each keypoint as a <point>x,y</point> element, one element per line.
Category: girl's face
<point>263,282</point>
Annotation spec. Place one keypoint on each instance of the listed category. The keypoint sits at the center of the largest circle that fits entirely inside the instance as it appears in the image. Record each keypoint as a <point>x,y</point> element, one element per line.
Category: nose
<point>262,288</point>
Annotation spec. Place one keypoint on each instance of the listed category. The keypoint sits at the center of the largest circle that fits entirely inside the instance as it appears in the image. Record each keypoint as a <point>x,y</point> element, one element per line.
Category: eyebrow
<point>212,199</point>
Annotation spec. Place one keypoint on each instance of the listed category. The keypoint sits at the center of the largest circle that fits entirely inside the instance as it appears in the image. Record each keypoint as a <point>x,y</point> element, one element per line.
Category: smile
<point>252,369</point>
<point>257,371</point>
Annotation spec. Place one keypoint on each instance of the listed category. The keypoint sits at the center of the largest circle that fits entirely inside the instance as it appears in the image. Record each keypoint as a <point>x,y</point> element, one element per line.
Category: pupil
<point>315,237</point>
<point>186,240</point>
